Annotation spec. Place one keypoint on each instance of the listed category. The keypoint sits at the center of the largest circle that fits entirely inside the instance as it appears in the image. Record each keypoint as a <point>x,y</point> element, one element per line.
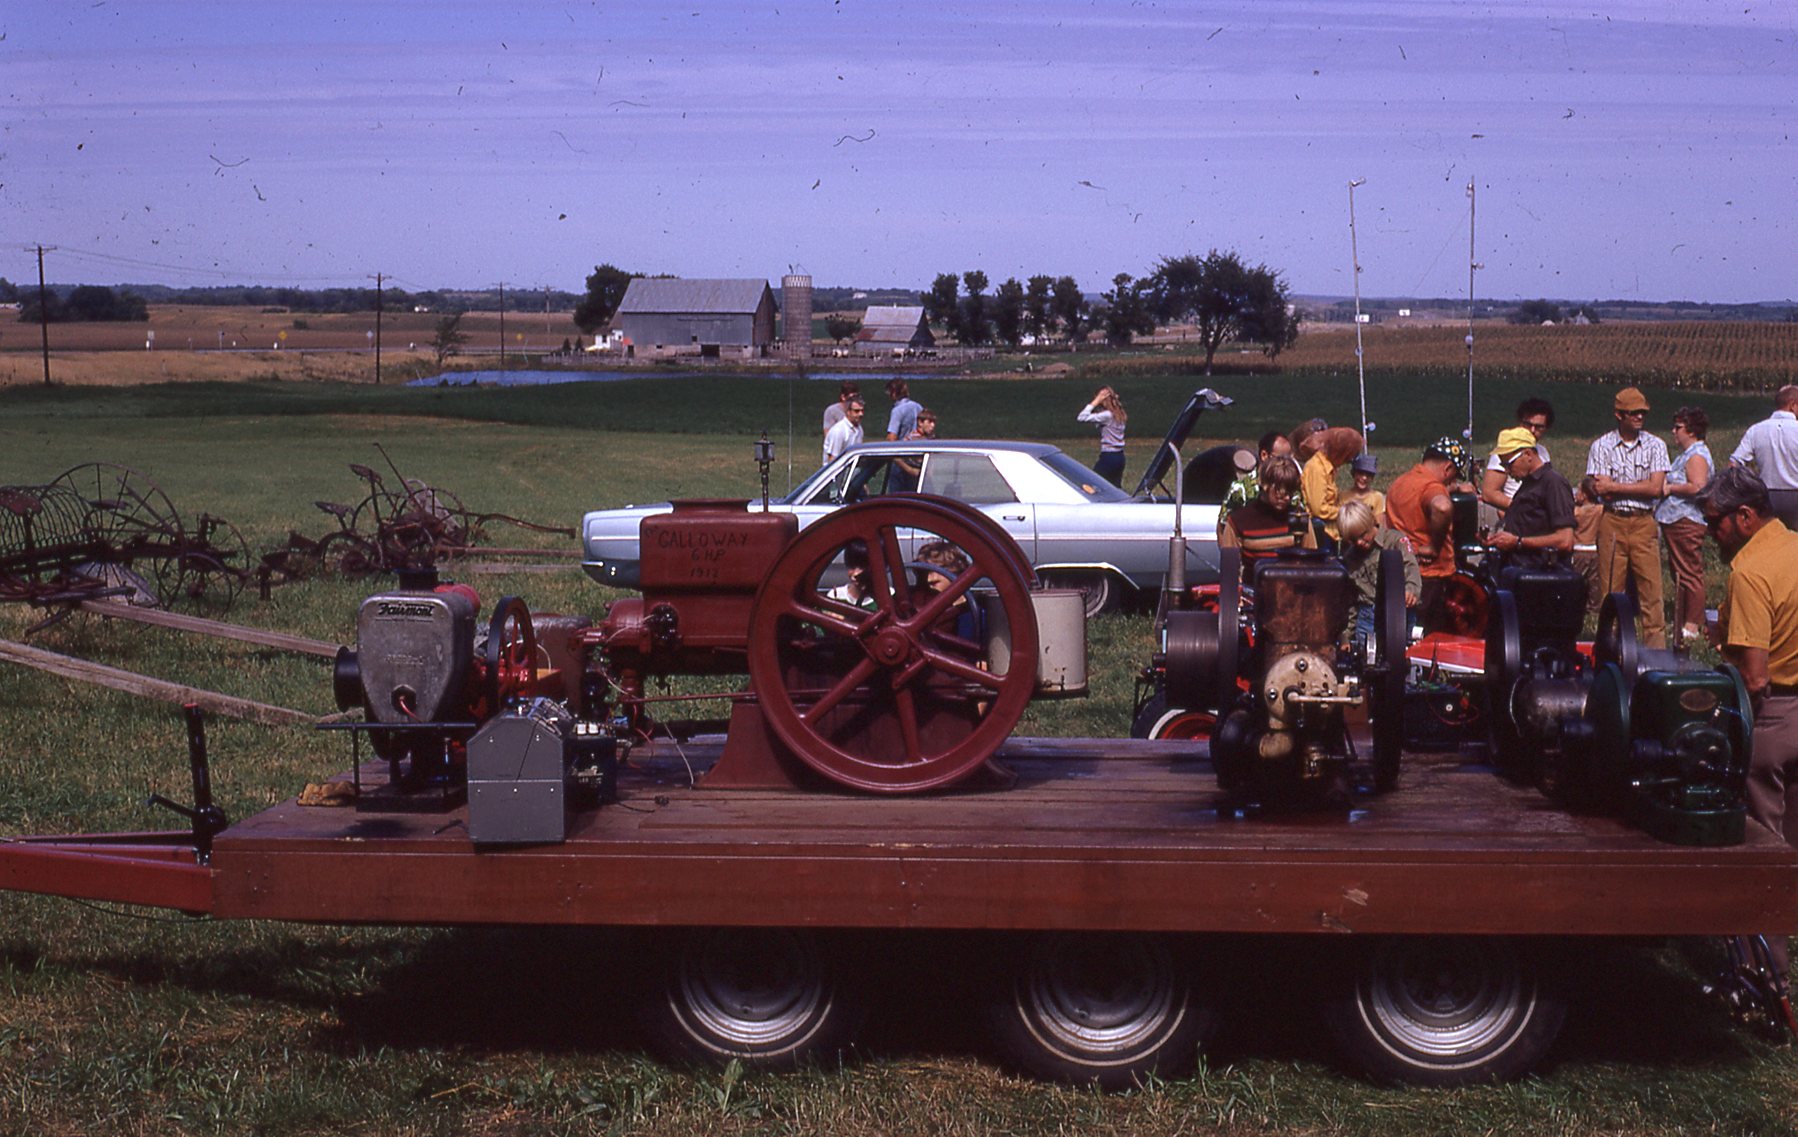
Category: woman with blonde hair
<point>1107,409</point>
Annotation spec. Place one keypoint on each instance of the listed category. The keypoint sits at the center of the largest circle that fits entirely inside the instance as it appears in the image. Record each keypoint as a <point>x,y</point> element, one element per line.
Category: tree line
<point>1223,299</point>
<point>84,303</point>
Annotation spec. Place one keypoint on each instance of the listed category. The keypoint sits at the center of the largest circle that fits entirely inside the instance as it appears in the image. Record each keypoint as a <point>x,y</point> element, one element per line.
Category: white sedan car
<point>1077,529</point>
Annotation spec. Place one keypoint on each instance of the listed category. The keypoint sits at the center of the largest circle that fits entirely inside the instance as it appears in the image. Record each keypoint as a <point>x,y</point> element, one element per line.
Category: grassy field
<point>110,1021</point>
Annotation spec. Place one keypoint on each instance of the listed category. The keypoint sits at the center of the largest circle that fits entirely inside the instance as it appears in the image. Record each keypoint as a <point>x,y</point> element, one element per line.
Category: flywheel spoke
<point>859,674</point>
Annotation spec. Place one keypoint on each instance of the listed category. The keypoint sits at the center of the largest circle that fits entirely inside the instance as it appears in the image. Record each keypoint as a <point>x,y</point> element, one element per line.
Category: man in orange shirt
<point>1418,507</point>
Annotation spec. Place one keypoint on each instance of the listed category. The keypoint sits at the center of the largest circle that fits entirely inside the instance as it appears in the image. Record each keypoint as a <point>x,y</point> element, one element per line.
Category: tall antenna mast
<point>1472,266</point>
<point>1360,363</point>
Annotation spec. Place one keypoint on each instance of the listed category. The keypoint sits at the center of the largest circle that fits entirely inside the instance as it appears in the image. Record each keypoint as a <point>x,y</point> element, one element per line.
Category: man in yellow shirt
<point>1759,634</point>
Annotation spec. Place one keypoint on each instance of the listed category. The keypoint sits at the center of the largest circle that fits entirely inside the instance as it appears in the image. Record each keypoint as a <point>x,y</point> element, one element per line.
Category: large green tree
<point>1126,312</point>
<point>840,328</point>
<point>976,316</point>
<point>1225,300</point>
<point>1008,312</point>
<point>1070,309</point>
<point>605,291</point>
<point>1039,320</point>
<point>942,304</point>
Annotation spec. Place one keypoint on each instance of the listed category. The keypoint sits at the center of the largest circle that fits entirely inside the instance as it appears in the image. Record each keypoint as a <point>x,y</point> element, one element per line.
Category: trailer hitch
<point>207,819</point>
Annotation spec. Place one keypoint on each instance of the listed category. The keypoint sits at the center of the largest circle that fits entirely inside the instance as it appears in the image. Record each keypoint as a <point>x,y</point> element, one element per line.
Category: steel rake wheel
<point>131,522</point>
<point>215,560</point>
<point>892,698</point>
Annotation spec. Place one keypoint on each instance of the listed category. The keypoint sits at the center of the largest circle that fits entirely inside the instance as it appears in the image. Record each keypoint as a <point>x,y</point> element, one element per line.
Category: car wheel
<point>1099,590</point>
<point>1445,1010</point>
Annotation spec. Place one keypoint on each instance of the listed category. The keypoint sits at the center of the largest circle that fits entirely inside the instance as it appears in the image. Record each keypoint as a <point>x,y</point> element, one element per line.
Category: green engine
<point>1669,751</point>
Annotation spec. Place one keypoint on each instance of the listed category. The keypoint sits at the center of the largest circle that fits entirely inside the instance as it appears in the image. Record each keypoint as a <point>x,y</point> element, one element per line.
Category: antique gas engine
<point>891,647</point>
<point>1283,736</point>
<point>1667,750</point>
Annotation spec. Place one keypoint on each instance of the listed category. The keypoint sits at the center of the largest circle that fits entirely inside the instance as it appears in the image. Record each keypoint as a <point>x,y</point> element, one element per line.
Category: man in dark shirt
<point>1538,528</point>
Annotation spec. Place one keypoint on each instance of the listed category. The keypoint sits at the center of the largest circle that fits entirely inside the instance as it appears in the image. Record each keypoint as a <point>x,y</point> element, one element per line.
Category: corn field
<point>1737,357</point>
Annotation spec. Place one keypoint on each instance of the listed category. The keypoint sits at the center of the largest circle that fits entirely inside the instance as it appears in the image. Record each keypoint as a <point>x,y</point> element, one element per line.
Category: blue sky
<point>1636,150</point>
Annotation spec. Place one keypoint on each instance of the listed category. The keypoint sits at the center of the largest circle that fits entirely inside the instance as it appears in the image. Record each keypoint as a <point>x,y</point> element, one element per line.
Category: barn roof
<point>884,323</point>
<point>646,294</point>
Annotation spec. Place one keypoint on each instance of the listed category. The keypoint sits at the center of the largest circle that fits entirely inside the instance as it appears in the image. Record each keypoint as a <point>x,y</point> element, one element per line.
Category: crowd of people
<point>1633,499</point>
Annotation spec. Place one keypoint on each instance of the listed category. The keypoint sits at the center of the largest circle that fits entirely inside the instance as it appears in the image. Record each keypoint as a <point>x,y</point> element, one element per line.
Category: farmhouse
<point>889,327</point>
<point>697,317</point>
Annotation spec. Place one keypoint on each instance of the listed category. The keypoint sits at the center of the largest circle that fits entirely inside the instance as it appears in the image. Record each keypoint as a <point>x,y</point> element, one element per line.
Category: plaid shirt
<point>1621,461</point>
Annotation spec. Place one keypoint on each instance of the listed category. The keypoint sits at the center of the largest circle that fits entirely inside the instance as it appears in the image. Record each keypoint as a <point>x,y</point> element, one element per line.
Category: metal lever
<point>208,820</point>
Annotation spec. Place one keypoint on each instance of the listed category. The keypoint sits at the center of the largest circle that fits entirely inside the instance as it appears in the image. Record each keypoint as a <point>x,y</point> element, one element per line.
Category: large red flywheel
<point>891,690</point>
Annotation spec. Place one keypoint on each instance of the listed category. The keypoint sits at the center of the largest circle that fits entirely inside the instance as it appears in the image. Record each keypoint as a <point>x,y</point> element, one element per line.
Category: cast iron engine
<point>1284,741</point>
<point>1536,676</point>
<point>910,684</point>
<point>1666,750</point>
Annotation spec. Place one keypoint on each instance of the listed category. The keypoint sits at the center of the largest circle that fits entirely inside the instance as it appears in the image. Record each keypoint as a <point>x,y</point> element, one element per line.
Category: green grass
<point>113,1022</point>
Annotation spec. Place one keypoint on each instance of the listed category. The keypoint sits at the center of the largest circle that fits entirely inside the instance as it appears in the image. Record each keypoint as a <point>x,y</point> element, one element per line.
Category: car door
<point>973,478</point>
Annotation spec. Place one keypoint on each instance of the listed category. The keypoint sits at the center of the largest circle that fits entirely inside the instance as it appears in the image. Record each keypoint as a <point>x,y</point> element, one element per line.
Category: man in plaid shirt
<point>1629,470</point>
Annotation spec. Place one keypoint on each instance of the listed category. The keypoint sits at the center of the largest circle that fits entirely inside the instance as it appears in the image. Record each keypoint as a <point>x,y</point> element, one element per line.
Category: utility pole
<point>1473,266</point>
<point>502,325</point>
<point>546,330</point>
<point>1355,259</point>
<point>378,278</point>
<point>43,310</point>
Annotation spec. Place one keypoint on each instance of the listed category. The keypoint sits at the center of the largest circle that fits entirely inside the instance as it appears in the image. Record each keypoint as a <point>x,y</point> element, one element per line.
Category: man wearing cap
<point>1538,526</point>
<point>1418,507</point>
<point>1770,449</point>
<point>1758,632</point>
<point>1629,469</point>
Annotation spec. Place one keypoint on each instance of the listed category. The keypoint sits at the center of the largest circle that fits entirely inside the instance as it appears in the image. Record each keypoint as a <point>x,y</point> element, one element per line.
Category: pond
<point>548,378</point>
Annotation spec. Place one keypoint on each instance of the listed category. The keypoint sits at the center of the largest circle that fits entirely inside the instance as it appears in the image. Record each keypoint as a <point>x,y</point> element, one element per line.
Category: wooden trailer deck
<point>1095,834</point>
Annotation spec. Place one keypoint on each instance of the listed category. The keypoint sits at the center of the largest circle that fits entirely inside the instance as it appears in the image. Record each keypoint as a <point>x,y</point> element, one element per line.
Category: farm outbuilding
<point>697,317</point>
<point>889,326</point>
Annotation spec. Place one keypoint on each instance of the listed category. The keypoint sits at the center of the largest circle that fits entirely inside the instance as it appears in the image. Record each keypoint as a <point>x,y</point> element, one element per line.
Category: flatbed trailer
<point>1111,856</point>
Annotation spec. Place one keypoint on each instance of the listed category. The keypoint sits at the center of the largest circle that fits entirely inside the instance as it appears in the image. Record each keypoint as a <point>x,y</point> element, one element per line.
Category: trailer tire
<point>768,997</point>
<point>1445,1010</point>
<point>1099,1009</point>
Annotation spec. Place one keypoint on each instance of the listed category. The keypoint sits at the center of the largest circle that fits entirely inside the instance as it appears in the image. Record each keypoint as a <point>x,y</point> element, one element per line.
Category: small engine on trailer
<point>891,648</point>
<point>461,713</point>
<point>1535,675</point>
<point>1665,749</point>
<point>1286,740</point>
<point>1668,752</point>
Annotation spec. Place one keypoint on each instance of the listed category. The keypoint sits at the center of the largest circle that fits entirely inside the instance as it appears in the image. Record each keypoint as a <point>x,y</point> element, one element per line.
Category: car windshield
<point>805,489</point>
<point>1089,485</point>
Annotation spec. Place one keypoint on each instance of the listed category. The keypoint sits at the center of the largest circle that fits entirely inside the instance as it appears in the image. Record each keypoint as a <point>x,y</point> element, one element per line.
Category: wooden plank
<point>113,610</point>
<point>86,671</point>
<point>1130,841</point>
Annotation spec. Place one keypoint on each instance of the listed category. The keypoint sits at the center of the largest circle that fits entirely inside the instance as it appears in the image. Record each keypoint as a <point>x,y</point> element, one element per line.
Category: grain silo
<point>796,315</point>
